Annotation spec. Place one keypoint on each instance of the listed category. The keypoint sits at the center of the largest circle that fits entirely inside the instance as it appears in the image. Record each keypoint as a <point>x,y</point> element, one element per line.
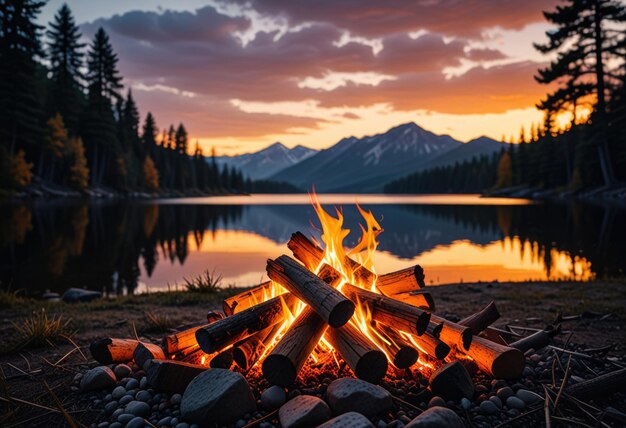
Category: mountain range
<point>361,165</point>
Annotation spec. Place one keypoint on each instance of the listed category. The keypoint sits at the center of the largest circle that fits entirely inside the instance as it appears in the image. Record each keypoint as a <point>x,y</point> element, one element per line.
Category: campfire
<point>327,305</point>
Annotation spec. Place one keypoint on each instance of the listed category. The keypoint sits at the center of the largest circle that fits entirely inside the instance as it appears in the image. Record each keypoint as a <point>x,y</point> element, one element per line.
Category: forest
<point>68,127</point>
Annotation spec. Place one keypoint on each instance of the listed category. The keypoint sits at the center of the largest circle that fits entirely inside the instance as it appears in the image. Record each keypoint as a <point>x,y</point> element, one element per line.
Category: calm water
<point>122,246</point>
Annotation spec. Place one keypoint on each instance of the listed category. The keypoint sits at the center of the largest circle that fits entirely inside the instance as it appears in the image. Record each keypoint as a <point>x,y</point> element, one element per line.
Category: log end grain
<point>341,313</point>
<point>441,350</point>
<point>466,338</point>
<point>405,357</point>
<point>508,365</point>
<point>422,323</point>
<point>279,370</point>
<point>372,366</point>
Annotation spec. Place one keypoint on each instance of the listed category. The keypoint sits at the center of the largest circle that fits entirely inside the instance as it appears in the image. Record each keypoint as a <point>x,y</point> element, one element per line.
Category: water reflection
<point>122,247</point>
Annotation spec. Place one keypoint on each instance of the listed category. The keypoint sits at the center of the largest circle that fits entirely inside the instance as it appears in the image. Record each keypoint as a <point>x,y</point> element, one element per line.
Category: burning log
<point>433,346</point>
<point>389,311</point>
<point>222,360</point>
<point>481,320</point>
<point>420,299</point>
<point>249,298</point>
<point>147,351</point>
<point>366,361</point>
<point>453,334</point>
<point>434,329</point>
<point>108,351</point>
<point>181,340</point>
<point>537,340</point>
<point>248,351</point>
<point>329,303</point>
<point>172,376</point>
<point>227,331</point>
<point>403,354</point>
<point>405,285</point>
<point>213,316</point>
<point>282,365</point>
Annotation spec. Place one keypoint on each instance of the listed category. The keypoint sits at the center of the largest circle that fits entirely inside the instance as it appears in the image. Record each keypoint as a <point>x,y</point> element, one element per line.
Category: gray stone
<point>182,425</point>
<point>124,418</point>
<point>489,408</point>
<point>97,378</point>
<point>116,425</point>
<point>122,371</point>
<point>437,417</point>
<point>527,397</point>
<point>348,420</point>
<point>452,382</point>
<point>303,411</point>
<point>138,408</point>
<point>176,399</point>
<point>496,400</point>
<point>143,383</point>
<point>118,392</point>
<point>79,295</point>
<point>217,396</point>
<point>132,384</point>
<point>126,399</point>
<point>110,407</point>
<point>137,422</point>
<point>273,397</point>
<point>436,401</point>
<point>515,403</point>
<point>466,404</point>
<point>165,421</point>
<point>144,396</point>
<point>504,393</point>
<point>355,395</point>
<point>116,414</point>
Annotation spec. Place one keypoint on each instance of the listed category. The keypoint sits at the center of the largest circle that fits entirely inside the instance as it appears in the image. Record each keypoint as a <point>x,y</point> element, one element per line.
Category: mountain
<point>473,148</point>
<point>366,164</point>
<point>268,161</point>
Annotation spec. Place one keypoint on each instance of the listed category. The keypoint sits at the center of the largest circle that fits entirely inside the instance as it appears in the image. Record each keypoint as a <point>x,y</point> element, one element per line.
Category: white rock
<point>217,396</point>
<point>303,411</point>
<point>348,420</point>
<point>436,417</point>
<point>97,378</point>
<point>355,395</point>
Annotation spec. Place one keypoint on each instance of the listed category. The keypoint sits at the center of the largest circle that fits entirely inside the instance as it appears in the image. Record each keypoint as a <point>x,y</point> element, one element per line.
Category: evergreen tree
<point>149,135</point>
<point>66,59</point>
<point>588,41</point>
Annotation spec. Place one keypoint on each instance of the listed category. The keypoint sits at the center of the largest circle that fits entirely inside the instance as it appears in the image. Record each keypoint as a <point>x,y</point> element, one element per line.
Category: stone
<point>176,399</point>
<point>303,411</point>
<point>437,417</point>
<point>515,403</point>
<point>144,396</point>
<point>124,418</point>
<point>355,395</point>
<point>165,421</point>
<point>465,403</point>
<point>436,401</point>
<point>489,408</point>
<point>121,371</point>
<point>504,393</point>
<point>138,408</point>
<point>273,397</point>
<point>110,407</point>
<point>217,396</point>
<point>118,392</point>
<point>527,396</point>
<point>496,400</point>
<point>137,422</point>
<point>132,384</point>
<point>452,382</point>
<point>348,420</point>
<point>79,295</point>
<point>97,378</point>
<point>116,425</point>
<point>126,399</point>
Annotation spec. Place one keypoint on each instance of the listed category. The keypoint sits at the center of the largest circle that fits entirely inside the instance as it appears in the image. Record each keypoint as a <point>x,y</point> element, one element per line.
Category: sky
<point>242,74</point>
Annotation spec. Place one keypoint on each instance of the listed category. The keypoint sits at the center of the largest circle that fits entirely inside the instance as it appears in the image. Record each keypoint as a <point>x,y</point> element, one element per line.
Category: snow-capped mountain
<point>268,161</point>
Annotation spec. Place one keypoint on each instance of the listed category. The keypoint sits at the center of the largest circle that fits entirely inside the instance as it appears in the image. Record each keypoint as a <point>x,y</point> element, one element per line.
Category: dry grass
<point>10,299</point>
<point>158,323</point>
<point>207,282</point>
<point>39,329</point>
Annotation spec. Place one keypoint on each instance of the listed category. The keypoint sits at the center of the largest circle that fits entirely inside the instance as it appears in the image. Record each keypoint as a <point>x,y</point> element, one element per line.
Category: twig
<point>19,400</point>
<point>256,422</point>
<point>554,372</point>
<point>588,368</point>
<point>69,339</point>
<point>563,384</point>
<point>523,415</point>
<point>27,362</point>
<point>17,368</point>
<point>65,356</point>
<point>407,404</point>
<point>572,421</point>
<point>70,421</point>
<point>546,407</point>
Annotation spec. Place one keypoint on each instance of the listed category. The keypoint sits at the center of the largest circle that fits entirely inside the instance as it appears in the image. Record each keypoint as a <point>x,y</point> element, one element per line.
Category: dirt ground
<point>35,382</point>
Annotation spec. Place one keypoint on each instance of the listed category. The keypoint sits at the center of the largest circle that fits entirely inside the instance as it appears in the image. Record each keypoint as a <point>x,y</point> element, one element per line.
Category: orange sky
<point>242,75</point>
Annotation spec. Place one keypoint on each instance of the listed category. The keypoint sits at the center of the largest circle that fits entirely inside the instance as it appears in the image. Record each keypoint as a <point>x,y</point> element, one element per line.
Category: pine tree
<point>180,139</point>
<point>588,40</point>
<point>130,124</point>
<point>149,135</point>
<point>66,59</point>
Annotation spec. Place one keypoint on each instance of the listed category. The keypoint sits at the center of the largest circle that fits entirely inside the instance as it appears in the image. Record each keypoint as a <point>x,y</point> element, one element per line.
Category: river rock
<point>527,396</point>
<point>452,382</point>
<point>97,378</point>
<point>138,408</point>
<point>515,403</point>
<point>303,411</point>
<point>489,407</point>
<point>79,295</point>
<point>348,420</point>
<point>137,422</point>
<point>121,371</point>
<point>273,397</point>
<point>217,396</point>
<point>355,395</point>
<point>437,417</point>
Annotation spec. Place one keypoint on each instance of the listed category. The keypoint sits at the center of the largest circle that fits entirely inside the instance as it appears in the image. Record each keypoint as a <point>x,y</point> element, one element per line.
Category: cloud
<point>333,80</point>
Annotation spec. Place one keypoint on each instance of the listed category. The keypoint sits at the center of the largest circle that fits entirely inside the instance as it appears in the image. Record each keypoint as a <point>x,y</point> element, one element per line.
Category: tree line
<point>64,120</point>
<point>588,45</point>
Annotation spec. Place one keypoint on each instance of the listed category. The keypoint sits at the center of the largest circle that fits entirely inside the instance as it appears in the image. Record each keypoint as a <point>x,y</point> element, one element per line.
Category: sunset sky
<point>244,74</point>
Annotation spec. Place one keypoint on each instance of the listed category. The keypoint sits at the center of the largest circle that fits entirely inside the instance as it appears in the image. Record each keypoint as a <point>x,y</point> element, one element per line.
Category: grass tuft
<point>39,329</point>
<point>10,299</point>
<point>207,282</point>
<point>158,323</point>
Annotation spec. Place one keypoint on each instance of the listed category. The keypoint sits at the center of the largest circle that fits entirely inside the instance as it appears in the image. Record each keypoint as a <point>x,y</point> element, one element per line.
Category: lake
<point>125,246</point>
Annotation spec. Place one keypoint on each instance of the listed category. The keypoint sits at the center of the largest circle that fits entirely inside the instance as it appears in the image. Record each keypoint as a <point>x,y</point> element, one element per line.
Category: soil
<point>35,383</point>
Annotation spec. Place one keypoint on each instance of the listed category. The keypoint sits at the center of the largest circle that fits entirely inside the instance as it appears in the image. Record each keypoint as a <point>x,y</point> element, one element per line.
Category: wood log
<point>179,341</point>
<point>328,302</point>
<point>213,316</point>
<point>481,320</point>
<point>401,281</point>
<point>538,340</point>
<point>227,331</point>
<point>599,386</point>
<point>434,329</point>
<point>433,346</point>
<point>108,351</point>
<point>147,351</point>
<point>222,360</point>
<point>366,361</point>
<point>403,354</point>
<point>389,311</point>
<point>282,365</point>
<point>421,299</point>
<point>248,351</point>
<point>172,376</point>
<point>453,334</point>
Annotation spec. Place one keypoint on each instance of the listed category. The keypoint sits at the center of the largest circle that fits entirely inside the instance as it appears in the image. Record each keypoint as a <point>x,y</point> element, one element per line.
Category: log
<point>481,320</point>
<point>453,334</point>
<point>433,346</point>
<point>248,351</point>
<point>282,365</point>
<point>181,340</point>
<point>172,376</point>
<point>147,351</point>
<point>390,312</point>
<point>419,298</point>
<point>223,360</point>
<point>227,331</point>
<point>401,281</point>
<point>434,329</point>
<point>213,316</point>
<point>108,351</point>
<point>538,340</point>
<point>600,386</point>
<point>328,302</point>
<point>366,361</point>
<point>402,354</point>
